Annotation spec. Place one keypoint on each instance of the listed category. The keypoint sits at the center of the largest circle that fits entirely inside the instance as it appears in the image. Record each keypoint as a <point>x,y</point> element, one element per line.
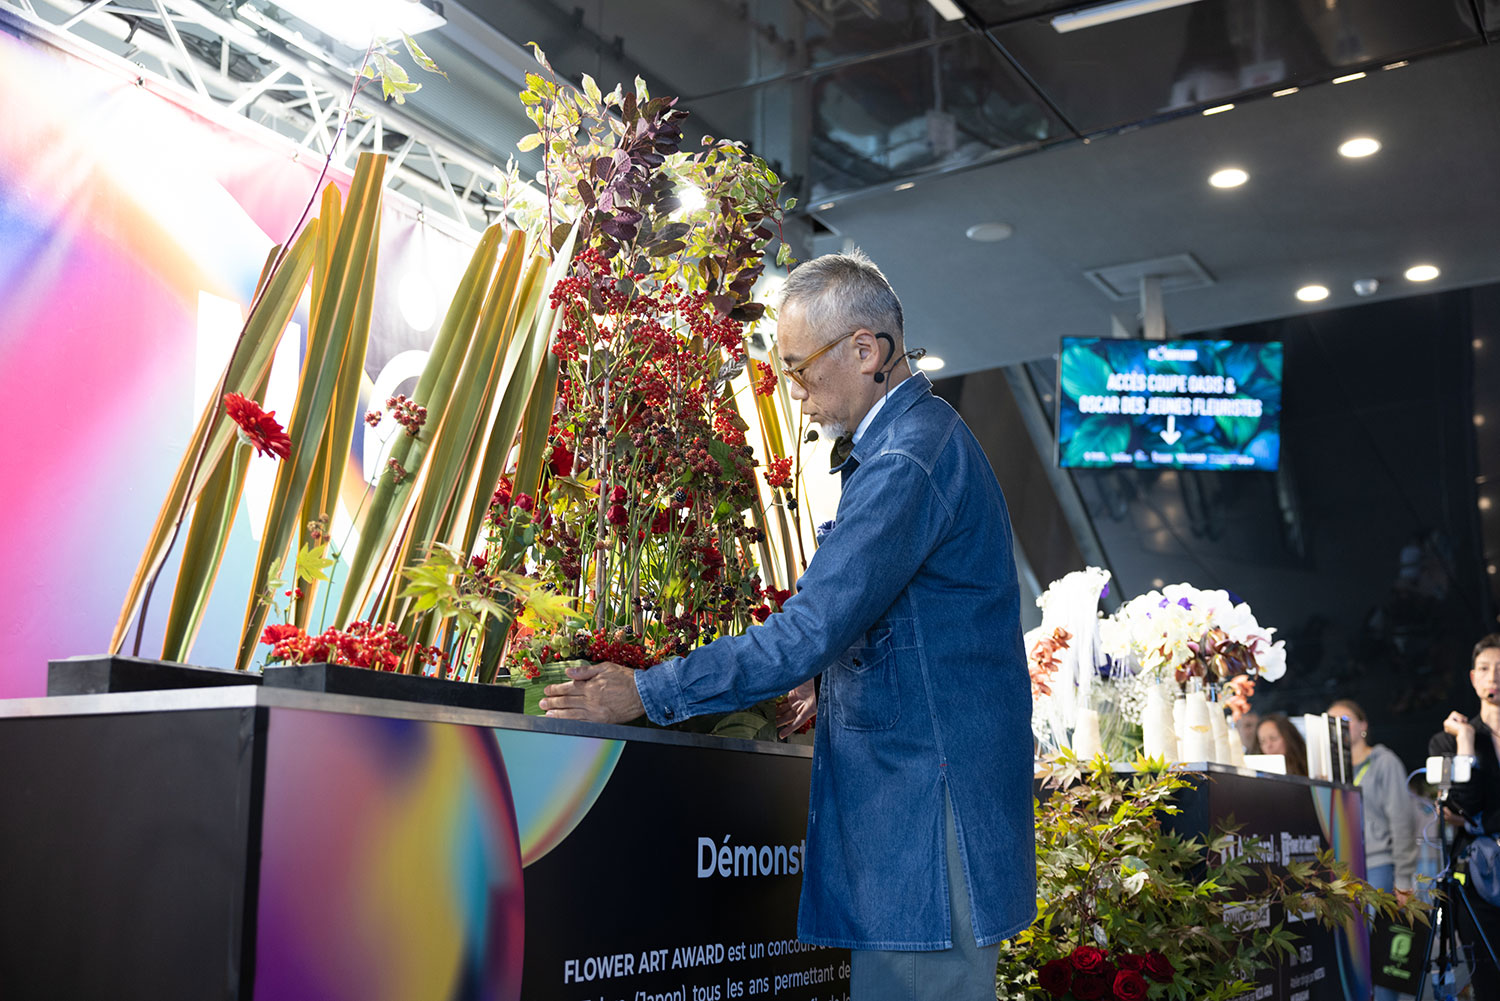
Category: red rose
<point>1055,977</point>
<point>761,612</point>
<point>1087,959</point>
<point>1126,961</point>
<point>524,502</point>
<point>562,460</point>
<point>617,495</point>
<point>1089,988</point>
<point>1130,986</point>
<point>616,515</point>
<point>1158,968</point>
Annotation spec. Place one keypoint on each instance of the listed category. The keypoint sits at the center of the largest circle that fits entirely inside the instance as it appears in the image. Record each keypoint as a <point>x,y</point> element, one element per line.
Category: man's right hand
<point>799,706</point>
<point>1462,730</point>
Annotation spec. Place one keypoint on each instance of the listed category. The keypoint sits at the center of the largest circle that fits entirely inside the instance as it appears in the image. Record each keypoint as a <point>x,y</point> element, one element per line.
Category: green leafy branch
<point>1112,873</point>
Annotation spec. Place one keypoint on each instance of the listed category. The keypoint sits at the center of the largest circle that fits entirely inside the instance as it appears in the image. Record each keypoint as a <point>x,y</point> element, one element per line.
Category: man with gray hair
<point>920,852</point>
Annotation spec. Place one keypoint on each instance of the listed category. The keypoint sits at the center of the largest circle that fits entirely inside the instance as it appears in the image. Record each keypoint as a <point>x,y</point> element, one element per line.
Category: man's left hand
<point>599,693</point>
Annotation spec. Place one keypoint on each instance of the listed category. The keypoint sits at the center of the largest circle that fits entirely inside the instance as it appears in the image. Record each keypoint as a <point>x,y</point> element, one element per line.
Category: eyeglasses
<point>796,374</point>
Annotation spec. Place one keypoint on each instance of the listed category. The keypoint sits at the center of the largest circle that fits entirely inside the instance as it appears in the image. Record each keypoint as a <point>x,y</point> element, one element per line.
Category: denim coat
<point>910,610</point>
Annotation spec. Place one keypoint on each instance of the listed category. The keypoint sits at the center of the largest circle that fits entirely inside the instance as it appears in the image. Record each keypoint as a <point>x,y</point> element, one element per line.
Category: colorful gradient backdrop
<point>392,853</point>
<point>1341,816</point>
<point>132,230</point>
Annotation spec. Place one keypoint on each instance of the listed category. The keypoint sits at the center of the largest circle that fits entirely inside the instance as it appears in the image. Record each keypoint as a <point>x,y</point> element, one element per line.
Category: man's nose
<point>795,391</point>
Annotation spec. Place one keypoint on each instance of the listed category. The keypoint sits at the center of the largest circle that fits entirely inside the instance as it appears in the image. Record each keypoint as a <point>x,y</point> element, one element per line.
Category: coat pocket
<point>865,694</point>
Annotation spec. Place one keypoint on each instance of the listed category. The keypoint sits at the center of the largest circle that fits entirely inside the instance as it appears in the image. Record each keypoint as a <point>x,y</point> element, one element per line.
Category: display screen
<point>1169,404</point>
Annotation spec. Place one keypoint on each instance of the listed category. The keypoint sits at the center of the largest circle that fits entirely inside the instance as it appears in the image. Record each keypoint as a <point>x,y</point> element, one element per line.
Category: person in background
<point>1246,726</point>
<point>1276,735</point>
<point>1390,822</point>
<point>1477,800</point>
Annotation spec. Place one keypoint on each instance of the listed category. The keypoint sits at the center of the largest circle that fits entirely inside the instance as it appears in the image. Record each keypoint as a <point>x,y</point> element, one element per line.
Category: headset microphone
<point>811,436</point>
<point>890,349</point>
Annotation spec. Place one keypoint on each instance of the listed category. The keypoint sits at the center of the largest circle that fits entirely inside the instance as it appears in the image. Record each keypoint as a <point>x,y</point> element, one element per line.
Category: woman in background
<point>1277,736</point>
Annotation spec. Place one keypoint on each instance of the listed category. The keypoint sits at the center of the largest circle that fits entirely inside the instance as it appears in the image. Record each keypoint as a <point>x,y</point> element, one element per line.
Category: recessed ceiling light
<point>1312,293</point>
<point>948,10</point>
<point>930,363</point>
<point>905,186</point>
<point>1359,146</point>
<point>1229,177</point>
<point>989,232</point>
<point>826,206</point>
<point>1284,93</point>
<point>1422,273</point>
<point>1350,78</point>
<point>1484,504</point>
<point>1479,420</point>
<point>1108,13</point>
<point>1219,109</point>
<point>1395,65</point>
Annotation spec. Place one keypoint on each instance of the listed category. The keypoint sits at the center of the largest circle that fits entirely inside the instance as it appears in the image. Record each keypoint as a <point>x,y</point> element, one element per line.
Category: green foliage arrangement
<point>1129,909</point>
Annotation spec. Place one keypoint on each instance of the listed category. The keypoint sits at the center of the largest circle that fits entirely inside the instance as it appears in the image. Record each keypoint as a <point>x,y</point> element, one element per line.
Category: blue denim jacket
<point>910,610</point>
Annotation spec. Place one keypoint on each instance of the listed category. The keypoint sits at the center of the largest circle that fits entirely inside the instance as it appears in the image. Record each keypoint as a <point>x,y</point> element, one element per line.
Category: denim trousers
<point>1382,877</point>
<point>966,972</point>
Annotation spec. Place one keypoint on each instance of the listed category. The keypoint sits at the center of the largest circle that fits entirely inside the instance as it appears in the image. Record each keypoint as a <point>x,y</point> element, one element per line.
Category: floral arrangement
<point>591,464</point>
<point>1129,909</point>
<point>648,516</point>
<point>1081,660</point>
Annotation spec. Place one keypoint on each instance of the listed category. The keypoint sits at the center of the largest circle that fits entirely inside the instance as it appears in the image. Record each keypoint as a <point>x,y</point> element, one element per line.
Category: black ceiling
<point>848,94</point>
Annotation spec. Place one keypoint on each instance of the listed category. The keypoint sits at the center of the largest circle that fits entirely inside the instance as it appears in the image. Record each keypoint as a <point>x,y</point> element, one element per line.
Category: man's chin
<point>831,431</point>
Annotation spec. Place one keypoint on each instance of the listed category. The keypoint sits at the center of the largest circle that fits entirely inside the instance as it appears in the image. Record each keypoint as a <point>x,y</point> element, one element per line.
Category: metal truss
<point>248,64</point>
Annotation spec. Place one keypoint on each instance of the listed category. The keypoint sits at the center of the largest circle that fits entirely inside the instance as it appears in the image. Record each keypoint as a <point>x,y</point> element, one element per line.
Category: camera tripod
<point>1443,929</point>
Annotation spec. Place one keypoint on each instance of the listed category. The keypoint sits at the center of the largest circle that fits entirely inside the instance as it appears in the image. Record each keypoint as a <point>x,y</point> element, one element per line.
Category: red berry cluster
<point>765,382</point>
<point>361,644</point>
<point>317,530</point>
<point>622,650</point>
<point>406,413</point>
<point>779,473</point>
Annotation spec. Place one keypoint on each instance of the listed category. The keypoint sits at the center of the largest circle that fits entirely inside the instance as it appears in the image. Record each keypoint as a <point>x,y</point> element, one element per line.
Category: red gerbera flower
<point>258,429</point>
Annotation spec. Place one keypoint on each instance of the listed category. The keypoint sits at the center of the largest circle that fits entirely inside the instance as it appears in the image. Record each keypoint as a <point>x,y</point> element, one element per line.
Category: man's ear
<point>869,348</point>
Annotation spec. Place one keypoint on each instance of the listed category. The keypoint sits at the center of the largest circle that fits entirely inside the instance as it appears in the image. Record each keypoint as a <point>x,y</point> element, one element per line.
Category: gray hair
<point>840,293</point>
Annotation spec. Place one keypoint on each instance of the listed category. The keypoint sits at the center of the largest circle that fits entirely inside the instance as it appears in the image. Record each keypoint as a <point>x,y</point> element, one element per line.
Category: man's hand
<point>799,706</point>
<point>1462,730</point>
<point>599,693</point>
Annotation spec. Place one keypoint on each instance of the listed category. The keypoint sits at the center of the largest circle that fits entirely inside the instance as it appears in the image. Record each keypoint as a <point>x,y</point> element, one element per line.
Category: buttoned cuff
<point>661,694</point>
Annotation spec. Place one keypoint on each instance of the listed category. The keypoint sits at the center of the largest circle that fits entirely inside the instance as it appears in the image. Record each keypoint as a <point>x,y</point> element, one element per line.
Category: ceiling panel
<point>954,104</point>
<point>1213,51</point>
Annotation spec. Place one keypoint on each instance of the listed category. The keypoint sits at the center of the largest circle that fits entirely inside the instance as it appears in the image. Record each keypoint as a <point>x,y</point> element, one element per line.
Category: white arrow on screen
<point>1171,434</point>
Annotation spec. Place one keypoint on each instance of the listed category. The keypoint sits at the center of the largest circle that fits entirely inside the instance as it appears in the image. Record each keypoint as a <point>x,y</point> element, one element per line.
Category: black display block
<point>92,675</point>
<point>339,679</point>
<point>282,845</point>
